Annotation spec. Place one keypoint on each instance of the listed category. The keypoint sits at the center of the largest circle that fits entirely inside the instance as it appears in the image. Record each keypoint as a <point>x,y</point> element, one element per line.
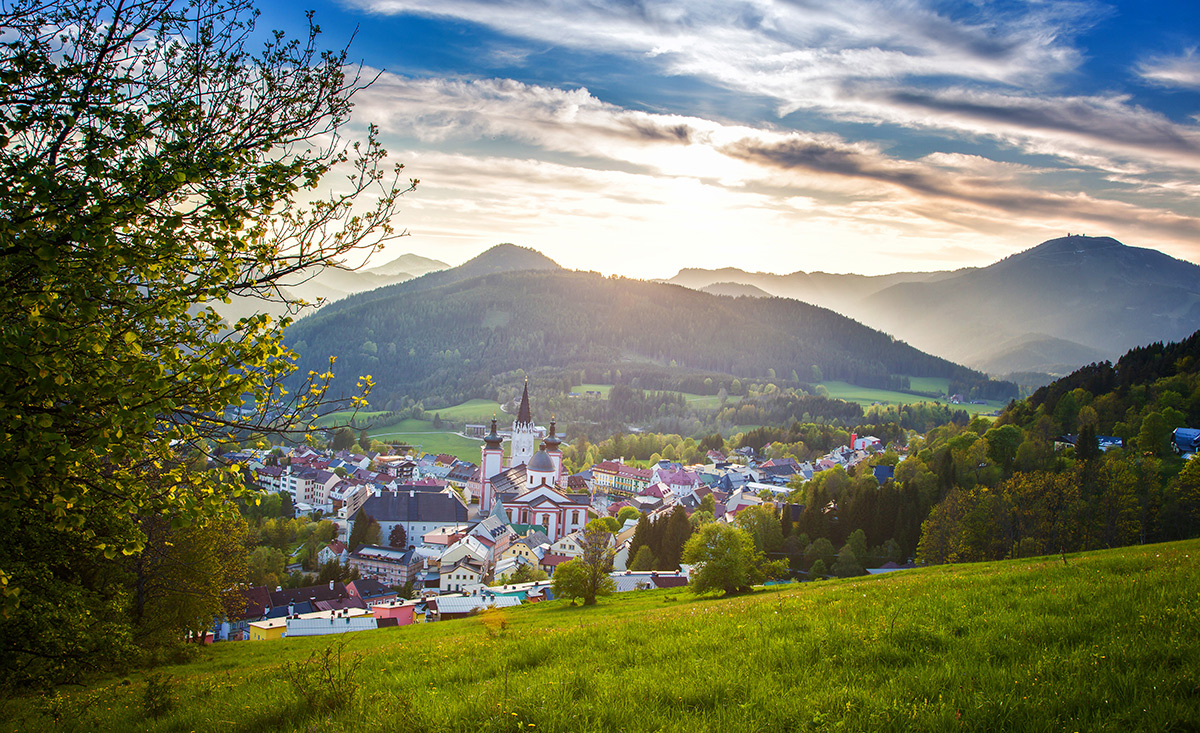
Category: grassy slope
<point>1107,642</point>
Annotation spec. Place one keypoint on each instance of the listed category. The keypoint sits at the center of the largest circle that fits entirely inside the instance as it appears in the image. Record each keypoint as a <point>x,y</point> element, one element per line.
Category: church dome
<point>541,463</point>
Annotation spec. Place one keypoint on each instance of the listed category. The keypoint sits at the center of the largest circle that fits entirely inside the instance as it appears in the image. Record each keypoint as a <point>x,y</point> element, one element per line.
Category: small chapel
<point>527,488</point>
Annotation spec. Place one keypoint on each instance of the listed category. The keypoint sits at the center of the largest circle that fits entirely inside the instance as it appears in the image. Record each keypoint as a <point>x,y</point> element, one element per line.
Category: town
<point>463,537</point>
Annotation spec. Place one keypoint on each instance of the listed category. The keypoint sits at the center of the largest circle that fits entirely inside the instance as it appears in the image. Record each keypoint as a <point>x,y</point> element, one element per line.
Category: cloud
<point>987,70</point>
<point>544,160</point>
<point>1182,71</point>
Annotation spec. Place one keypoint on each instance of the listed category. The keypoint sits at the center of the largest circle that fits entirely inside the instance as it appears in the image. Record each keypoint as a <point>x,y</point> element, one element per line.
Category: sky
<point>637,137</point>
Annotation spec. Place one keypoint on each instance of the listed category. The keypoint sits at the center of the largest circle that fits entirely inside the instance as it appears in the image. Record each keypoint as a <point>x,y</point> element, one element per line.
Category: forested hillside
<point>1026,496</point>
<point>427,340</point>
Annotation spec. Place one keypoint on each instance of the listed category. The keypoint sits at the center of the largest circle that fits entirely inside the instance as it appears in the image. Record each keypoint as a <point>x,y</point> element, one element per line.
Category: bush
<point>325,682</point>
<point>157,700</point>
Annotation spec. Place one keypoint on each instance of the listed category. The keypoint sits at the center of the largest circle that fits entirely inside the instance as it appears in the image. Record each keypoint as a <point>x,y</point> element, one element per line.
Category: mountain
<point>407,266</point>
<point>836,292</point>
<point>735,290</point>
<point>333,283</point>
<point>1052,308</point>
<point>449,332</point>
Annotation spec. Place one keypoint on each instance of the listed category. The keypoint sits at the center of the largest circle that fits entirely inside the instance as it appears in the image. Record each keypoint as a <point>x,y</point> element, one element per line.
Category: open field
<point>421,433</point>
<point>1104,643</point>
<point>469,411</point>
<point>603,389</point>
<point>929,384</point>
<point>867,396</point>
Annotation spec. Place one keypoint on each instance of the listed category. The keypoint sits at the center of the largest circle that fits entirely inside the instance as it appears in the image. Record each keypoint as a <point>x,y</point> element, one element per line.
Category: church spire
<point>523,413</point>
<point>551,443</point>
<point>493,439</point>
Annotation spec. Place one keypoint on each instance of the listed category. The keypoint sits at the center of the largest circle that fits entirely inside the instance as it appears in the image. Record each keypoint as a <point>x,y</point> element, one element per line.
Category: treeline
<point>447,341</point>
<point>1014,490</point>
<point>1110,501</point>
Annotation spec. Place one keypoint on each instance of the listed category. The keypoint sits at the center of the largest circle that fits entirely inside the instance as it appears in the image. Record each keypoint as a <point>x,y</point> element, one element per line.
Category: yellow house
<point>268,630</point>
<point>520,549</point>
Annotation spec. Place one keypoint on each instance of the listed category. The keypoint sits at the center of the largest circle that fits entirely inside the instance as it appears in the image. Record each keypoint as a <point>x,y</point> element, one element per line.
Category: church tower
<point>524,433</point>
<point>551,446</point>
<point>491,463</point>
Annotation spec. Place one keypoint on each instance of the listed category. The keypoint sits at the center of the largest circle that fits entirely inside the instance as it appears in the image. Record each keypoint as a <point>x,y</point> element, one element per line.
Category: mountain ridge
<point>452,330</point>
<point>1052,308</point>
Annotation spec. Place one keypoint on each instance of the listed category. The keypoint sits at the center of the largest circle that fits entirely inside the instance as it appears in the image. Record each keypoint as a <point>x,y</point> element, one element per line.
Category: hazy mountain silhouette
<point>1052,308</point>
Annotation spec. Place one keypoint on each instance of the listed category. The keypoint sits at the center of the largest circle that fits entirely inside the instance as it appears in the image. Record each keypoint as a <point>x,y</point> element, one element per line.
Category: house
<point>569,546</point>
<point>335,550</point>
<point>388,565</point>
<point>509,565</point>
<point>465,572</point>
<point>525,548</point>
<point>268,478</point>
<point>559,513</point>
<point>370,592</point>
<point>446,608</point>
<point>336,622</point>
<point>883,473</point>
<point>404,612</point>
<point>1186,441</point>
<point>268,629</point>
<point>630,580</point>
<point>418,511</point>
<point>550,561</point>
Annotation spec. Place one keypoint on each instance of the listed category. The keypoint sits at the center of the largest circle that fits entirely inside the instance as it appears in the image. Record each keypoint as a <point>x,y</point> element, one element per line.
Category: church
<point>527,487</point>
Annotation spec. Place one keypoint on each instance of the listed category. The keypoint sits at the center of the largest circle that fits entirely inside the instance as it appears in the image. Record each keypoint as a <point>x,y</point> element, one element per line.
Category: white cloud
<point>987,74</point>
<point>1182,71</point>
<point>572,175</point>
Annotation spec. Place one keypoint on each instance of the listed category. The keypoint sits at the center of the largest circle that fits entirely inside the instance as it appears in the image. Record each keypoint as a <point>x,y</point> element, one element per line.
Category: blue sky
<point>639,137</point>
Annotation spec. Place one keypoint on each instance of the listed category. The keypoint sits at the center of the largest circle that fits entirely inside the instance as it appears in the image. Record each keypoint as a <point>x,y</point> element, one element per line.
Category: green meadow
<point>1105,642</point>
<point>867,396</point>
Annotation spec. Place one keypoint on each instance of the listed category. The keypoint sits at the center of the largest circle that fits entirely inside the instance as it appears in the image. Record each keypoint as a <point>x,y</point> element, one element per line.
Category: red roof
<point>554,560</point>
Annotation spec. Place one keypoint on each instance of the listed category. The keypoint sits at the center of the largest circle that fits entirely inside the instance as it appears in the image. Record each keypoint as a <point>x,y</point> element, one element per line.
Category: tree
<point>847,565</point>
<point>342,439</point>
<point>365,530</point>
<point>608,524</point>
<point>724,557</point>
<point>265,566</point>
<point>644,560</point>
<point>762,523</point>
<point>678,531</point>
<point>587,576</point>
<point>627,513</point>
<point>398,538</point>
<point>153,165</point>
<point>641,535</point>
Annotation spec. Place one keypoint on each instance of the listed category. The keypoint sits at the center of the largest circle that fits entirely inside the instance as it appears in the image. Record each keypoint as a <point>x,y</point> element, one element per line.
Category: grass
<point>421,433</point>
<point>867,396</point>
<point>603,389</point>
<point>929,384</point>
<point>470,411</point>
<point>1104,643</point>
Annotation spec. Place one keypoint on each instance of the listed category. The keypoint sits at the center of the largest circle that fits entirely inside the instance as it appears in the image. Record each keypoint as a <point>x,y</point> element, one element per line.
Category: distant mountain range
<point>331,284</point>
<point>448,332</point>
<point>1053,308</point>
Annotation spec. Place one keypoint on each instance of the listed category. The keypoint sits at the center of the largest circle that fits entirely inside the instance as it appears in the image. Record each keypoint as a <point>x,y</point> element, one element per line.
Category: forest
<point>447,342</point>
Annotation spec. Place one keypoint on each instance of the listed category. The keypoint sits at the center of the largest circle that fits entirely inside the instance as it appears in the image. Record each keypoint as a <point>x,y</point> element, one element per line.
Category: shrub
<point>325,682</point>
<point>158,700</point>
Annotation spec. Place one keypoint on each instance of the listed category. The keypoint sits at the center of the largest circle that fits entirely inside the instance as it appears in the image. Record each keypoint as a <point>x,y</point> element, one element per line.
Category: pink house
<point>402,611</point>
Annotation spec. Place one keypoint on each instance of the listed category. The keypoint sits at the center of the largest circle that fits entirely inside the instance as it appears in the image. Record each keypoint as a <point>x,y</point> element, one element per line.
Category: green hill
<point>444,336</point>
<point>1105,642</point>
